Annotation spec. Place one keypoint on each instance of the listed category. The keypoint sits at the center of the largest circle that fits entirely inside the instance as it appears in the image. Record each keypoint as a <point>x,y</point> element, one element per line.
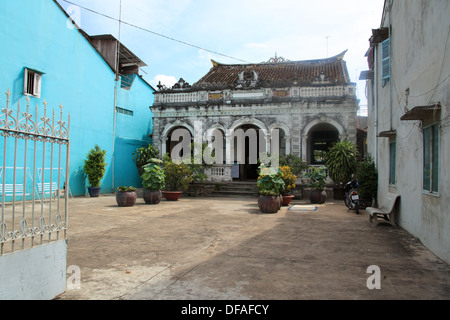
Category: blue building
<point>95,78</point>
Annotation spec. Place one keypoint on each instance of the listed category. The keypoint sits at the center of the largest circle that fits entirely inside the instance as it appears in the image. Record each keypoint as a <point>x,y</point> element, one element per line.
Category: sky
<point>178,38</point>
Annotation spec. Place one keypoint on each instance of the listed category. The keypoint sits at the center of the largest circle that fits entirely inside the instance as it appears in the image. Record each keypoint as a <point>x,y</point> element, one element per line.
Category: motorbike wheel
<point>348,203</point>
<point>357,208</point>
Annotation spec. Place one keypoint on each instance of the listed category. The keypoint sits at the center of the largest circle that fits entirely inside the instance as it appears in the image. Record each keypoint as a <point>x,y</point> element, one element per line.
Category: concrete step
<point>239,188</point>
<point>235,193</point>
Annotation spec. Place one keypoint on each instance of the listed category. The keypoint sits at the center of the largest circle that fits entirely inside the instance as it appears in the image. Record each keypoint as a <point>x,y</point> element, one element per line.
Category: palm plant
<point>341,161</point>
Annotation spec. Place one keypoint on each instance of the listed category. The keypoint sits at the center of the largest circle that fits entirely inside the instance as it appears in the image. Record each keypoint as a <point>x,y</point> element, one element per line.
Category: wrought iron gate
<point>34,197</point>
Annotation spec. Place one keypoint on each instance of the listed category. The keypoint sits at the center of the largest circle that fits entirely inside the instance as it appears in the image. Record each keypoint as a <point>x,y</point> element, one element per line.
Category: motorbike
<point>351,198</point>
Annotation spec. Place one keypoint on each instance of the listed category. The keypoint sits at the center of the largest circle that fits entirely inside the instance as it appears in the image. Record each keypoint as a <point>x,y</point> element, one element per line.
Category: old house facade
<point>309,104</point>
<point>408,116</point>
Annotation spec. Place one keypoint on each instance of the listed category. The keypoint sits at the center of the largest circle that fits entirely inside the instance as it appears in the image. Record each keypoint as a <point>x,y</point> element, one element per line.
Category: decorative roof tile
<point>283,73</point>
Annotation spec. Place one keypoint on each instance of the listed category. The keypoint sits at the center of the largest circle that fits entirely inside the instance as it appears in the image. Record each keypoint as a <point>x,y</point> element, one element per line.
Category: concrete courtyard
<point>223,248</point>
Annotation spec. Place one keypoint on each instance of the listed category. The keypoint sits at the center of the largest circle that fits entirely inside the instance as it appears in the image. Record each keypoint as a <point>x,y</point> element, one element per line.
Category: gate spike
<point>8,94</point>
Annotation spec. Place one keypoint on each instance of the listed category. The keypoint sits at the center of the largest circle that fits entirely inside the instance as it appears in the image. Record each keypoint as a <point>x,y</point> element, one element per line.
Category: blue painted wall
<point>34,34</point>
<point>132,131</point>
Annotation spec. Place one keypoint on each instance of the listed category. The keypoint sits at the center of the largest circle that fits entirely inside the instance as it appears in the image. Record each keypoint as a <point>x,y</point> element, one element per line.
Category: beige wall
<point>420,63</point>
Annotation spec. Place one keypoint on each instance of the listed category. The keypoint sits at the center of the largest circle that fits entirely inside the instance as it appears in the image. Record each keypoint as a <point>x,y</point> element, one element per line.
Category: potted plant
<point>270,185</point>
<point>341,162</point>
<point>94,168</point>
<point>153,181</point>
<point>126,196</point>
<point>317,180</point>
<point>178,178</point>
<point>289,184</point>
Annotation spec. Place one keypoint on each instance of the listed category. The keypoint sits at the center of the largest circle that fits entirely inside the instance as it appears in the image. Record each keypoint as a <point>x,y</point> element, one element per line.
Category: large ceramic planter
<point>287,200</point>
<point>317,196</point>
<point>126,198</point>
<point>268,204</point>
<point>94,191</point>
<point>152,196</point>
<point>172,195</point>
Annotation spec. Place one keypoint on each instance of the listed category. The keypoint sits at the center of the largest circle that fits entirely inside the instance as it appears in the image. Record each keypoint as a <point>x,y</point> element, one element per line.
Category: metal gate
<point>34,176</point>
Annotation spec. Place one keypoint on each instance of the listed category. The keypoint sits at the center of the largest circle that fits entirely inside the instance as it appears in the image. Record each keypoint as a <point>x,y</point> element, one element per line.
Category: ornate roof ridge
<point>281,60</point>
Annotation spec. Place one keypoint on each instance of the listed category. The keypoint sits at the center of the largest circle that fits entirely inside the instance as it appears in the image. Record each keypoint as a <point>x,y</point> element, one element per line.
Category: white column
<point>229,148</point>
<point>163,146</point>
<point>304,148</point>
<point>288,144</point>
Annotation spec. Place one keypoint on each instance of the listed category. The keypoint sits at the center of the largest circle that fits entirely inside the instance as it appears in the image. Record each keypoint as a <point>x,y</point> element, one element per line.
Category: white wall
<point>420,62</point>
<point>38,273</point>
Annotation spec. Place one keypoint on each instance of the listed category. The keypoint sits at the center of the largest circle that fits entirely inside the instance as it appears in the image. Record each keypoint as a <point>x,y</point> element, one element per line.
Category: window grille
<point>32,83</point>
<point>124,111</point>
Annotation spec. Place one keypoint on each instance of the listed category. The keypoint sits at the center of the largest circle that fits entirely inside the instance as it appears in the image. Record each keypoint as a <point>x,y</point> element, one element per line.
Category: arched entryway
<point>320,139</point>
<point>176,141</point>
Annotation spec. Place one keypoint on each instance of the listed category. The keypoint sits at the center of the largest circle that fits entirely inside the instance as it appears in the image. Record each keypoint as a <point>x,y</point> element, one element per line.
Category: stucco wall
<point>38,273</point>
<point>420,63</point>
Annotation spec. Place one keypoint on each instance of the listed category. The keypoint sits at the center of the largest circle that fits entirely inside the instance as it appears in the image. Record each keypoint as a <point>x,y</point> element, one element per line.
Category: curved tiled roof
<point>324,71</point>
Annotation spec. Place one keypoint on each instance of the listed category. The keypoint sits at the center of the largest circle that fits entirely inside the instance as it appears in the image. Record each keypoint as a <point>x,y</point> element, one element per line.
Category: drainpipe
<point>376,107</point>
<point>390,63</point>
<point>115,97</point>
<point>114,131</point>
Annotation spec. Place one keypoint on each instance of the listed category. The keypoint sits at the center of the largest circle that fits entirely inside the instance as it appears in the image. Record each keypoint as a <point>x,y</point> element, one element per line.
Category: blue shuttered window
<point>392,160</point>
<point>385,60</point>
<point>431,158</point>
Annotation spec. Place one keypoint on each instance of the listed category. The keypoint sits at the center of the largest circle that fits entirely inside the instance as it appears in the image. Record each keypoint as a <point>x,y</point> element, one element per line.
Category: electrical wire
<point>155,33</point>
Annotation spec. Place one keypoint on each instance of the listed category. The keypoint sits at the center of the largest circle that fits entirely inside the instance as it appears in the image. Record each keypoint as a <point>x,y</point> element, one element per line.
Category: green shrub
<point>294,162</point>
<point>126,189</point>
<point>289,179</point>
<point>178,176</point>
<point>95,166</point>
<point>367,176</point>
<point>143,155</point>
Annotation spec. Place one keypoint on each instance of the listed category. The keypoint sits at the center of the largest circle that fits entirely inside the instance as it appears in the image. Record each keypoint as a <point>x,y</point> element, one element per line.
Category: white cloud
<point>165,80</point>
<point>252,45</point>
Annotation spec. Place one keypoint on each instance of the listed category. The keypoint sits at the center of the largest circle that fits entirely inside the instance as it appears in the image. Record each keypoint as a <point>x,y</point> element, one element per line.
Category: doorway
<point>322,137</point>
<point>247,142</point>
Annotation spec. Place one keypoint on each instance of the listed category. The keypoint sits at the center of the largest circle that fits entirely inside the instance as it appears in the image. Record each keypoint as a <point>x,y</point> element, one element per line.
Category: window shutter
<point>435,158</point>
<point>37,85</point>
<point>385,60</point>
<point>25,81</point>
